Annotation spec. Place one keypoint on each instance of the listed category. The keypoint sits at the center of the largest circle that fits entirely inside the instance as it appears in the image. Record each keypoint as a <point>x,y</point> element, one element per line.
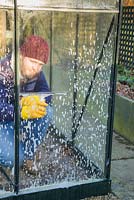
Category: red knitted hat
<point>35,47</point>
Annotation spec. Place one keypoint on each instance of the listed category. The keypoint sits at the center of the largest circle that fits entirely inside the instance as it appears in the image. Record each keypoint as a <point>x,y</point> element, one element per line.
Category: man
<point>35,113</point>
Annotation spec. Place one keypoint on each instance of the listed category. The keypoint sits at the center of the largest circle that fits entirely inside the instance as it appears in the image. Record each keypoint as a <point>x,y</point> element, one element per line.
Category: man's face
<point>30,67</point>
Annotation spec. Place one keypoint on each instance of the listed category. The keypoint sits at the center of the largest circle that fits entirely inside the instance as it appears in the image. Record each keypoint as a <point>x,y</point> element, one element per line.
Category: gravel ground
<point>59,162</point>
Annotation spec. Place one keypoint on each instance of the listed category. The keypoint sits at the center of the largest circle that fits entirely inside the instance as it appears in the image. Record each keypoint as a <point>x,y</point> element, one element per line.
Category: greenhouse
<point>73,139</point>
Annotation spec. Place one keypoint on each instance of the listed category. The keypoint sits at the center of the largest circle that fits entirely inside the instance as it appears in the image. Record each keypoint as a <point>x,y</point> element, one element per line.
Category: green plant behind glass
<point>126,76</point>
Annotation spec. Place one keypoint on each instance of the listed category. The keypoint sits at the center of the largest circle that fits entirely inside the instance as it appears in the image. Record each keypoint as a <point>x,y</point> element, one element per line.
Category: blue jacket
<point>38,84</point>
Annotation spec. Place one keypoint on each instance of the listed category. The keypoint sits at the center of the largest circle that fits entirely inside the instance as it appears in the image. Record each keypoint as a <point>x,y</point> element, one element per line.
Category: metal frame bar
<point>51,50</point>
<point>77,192</point>
<point>17,117</point>
<point>112,102</point>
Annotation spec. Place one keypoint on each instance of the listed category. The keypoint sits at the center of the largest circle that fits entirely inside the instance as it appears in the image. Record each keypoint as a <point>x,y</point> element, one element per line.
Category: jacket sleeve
<point>42,86</point>
<point>6,109</point>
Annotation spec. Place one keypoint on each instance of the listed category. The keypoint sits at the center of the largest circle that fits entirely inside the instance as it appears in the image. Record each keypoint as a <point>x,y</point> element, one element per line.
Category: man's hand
<point>32,107</point>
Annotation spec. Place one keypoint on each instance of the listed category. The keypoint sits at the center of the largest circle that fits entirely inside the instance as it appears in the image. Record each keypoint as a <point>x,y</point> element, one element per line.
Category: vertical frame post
<point>110,121</point>
<point>51,50</point>
<point>16,105</point>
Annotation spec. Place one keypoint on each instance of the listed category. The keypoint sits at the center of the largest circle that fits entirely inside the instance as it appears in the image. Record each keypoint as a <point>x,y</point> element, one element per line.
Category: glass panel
<point>53,150</point>
<point>87,4</point>
<point>34,85</point>
<point>6,101</point>
<point>78,54</point>
<point>91,134</point>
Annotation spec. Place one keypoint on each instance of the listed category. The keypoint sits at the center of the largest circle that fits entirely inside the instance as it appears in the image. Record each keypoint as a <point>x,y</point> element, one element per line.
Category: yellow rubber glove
<point>32,107</point>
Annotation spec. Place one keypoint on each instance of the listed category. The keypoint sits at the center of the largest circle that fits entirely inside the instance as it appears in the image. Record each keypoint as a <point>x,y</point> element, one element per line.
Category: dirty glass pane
<point>91,134</point>
<point>87,4</point>
<point>69,150</point>
<point>6,100</point>
<point>78,53</point>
